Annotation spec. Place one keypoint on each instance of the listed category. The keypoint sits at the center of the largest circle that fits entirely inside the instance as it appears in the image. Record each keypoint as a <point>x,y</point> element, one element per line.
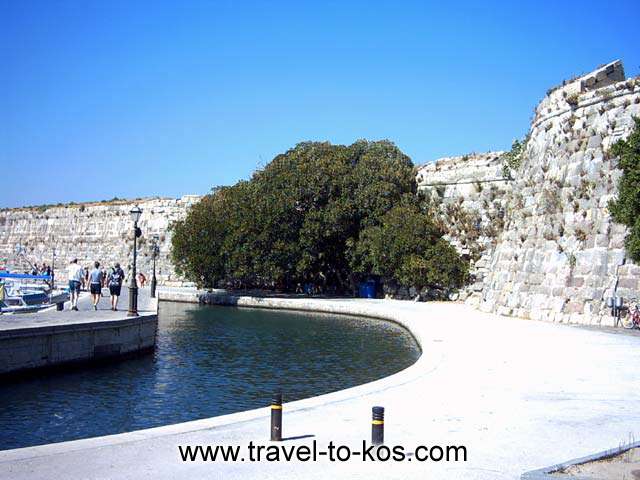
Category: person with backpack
<point>116,277</point>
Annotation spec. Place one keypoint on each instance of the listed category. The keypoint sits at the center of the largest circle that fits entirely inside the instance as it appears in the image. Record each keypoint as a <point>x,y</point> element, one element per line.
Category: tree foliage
<point>408,248</point>
<point>626,208</point>
<point>319,213</point>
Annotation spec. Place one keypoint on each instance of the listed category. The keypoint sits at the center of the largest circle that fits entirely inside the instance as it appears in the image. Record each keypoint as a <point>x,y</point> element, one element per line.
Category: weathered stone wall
<point>470,195</point>
<point>567,93</point>
<point>89,232</point>
<point>546,246</point>
<point>561,255</point>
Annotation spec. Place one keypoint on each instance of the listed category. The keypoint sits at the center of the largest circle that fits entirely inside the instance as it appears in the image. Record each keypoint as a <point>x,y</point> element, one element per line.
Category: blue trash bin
<point>367,289</point>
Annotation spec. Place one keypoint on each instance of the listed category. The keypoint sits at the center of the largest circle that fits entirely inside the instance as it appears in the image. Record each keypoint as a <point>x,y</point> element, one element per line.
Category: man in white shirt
<point>75,274</point>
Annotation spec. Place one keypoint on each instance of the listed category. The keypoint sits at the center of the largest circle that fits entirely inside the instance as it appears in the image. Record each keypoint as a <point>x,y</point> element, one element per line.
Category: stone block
<point>106,335</point>
<point>575,281</point>
<point>148,329</point>
<point>628,282</point>
<point>601,241</point>
<point>574,306</point>
<point>607,321</point>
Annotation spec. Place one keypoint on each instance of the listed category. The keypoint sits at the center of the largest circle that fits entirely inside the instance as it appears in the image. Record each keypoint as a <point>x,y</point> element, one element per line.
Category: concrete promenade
<point>50,338</point>
<point>517,394</point>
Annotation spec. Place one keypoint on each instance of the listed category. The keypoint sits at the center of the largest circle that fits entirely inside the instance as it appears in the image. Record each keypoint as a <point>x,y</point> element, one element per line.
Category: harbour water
<point>210,361</point>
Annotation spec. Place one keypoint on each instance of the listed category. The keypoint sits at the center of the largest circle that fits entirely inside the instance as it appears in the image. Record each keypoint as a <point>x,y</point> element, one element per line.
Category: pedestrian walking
<point>116,277</point>
<point>95,284</point>
<point>75,274</point>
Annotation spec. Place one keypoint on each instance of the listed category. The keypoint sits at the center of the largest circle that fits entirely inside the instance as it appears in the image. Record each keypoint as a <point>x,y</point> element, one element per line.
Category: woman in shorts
<point>95,284</point>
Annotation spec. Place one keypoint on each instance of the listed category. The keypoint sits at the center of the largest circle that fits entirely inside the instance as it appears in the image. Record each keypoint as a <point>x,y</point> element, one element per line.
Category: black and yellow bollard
<point>377,426</point>
<point>276,418</point>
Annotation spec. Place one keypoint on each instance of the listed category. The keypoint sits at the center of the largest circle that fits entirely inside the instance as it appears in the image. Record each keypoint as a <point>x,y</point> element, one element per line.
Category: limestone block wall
<point>568,93</point>
<point>545,246</point>
<point>90,232</point>
<point>459,173</point>
<point>561,255</point>
<point>470,195</point>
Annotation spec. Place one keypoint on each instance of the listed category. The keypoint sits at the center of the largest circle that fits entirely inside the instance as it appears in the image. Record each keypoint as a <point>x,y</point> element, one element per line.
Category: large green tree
<point>203,245</point>
<point>626,208</point>
<point>407,247</point>
<point>301,218</point>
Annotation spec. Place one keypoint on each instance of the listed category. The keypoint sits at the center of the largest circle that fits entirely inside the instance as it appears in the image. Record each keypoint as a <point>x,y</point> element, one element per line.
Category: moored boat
<point>24,293</point>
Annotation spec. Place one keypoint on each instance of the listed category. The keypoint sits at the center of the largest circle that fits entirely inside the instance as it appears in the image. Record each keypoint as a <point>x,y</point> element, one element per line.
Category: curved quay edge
<point>51,340</point>
<point>339,307</point>
<point>520,394</point>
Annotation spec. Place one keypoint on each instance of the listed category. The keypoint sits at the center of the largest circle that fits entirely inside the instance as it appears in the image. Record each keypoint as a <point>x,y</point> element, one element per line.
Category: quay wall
<point>81,340</point>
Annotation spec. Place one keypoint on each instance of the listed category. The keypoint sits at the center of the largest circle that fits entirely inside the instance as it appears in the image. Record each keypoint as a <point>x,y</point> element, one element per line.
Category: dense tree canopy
<point>330,214</point>
<point>626,208</point>
<point>408,248</point>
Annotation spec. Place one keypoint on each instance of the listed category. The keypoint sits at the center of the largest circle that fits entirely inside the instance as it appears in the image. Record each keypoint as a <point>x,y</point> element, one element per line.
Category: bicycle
<point>632,319</point>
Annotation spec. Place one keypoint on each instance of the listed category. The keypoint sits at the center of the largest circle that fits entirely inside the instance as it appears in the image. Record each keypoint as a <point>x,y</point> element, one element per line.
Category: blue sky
<point>104,99</point>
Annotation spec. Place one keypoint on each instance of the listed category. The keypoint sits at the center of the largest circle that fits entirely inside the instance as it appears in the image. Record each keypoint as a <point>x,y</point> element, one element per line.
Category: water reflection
<point>210,361</point>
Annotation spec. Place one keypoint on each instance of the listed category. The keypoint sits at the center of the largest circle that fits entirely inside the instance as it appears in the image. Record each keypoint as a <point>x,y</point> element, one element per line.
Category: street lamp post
<point>133,285</point>
<point>155,250</point>
<point>53,267</point>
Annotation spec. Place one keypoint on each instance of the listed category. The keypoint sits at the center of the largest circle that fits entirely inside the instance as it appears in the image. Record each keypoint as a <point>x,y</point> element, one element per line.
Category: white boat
<point>24,293</point>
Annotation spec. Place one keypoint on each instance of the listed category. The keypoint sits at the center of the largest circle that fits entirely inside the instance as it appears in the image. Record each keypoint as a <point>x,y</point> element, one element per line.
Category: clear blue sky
<point>104,99</point>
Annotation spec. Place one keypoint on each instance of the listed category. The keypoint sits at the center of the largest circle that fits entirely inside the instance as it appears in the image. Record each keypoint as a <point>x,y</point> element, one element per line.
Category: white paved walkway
<point>518,394</point>
<point>51,317</point>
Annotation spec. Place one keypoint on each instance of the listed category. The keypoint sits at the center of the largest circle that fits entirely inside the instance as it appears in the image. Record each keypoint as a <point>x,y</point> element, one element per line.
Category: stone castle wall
<point>557,254</point>
<point>561,255</point>
<point>90,232</point>
<point>470,195</point>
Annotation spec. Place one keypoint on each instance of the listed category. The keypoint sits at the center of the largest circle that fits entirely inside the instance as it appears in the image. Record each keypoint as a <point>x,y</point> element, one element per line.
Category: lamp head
<point>135,213</point>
